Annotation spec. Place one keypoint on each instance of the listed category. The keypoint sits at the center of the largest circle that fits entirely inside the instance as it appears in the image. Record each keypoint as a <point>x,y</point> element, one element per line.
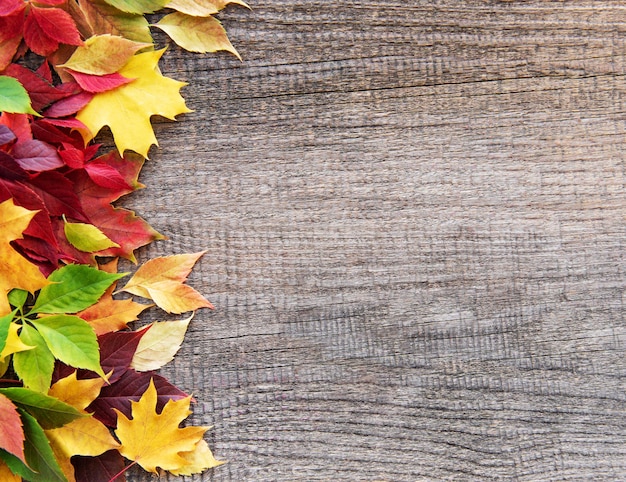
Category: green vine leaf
<point>49,412</point>
<point>75,288</point>
<point>13,97</point>
<point>34,366</point>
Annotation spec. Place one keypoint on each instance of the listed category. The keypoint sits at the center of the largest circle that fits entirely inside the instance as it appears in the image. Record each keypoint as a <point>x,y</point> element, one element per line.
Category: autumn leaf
<point>127,109</point>
<point>86,237</point>
<point>159,345</point>
<point>15,270</point>
<point>196,34</point>
<point>202,8</point>
<point>154,439</point>
<point>106,19</point>
<point>161,280</point>
<point>109,314</point>
<point>198,460</point>
<point>103,54</point>
<point>11,431</point>
<point>84,436</point>
<point>137,6</point>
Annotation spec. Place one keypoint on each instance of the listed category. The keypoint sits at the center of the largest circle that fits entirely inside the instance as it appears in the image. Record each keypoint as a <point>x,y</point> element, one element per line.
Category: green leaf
<point>49,411</point>
<point>86,237</point>
<point>75,288</point>
<point>138,6</point>
<point>196,34</point>
<point>34,367</point>
<point>39,455</point>
<point>5,323</point>
<point>71,340</point>
<point>17,298</point>
<point>13,97</point>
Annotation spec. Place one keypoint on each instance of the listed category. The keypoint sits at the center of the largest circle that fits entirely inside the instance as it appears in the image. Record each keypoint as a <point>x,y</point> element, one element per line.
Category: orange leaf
<point>155,440</point>
<point>15,270</point>
<point>161,280</point>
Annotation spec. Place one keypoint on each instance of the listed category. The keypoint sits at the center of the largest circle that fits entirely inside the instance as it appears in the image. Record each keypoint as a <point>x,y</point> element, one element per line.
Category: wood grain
<point>415,221</point>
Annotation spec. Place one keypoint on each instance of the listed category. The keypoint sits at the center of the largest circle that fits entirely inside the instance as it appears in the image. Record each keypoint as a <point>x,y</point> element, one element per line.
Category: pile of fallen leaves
<point>79,396</point>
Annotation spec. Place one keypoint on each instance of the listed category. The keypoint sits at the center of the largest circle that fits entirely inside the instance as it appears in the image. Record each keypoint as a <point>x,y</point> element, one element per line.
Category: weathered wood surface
<point>414,217</point>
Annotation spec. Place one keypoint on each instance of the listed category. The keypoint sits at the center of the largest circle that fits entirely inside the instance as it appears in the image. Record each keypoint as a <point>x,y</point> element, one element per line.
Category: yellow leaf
<point>202,8</point>
<point>6,475</point>
<point>15,270</point>
<point>128,108</point>
<point>84,436</point>
<point>155,440</point>
<point>161,280</point>
<point>109,314</point>
<point>14,344</point>
<point>198,460</point>
<point>196,34</point>
<point>159,344</point>
<point>103,54</point>
<point>87,237</point>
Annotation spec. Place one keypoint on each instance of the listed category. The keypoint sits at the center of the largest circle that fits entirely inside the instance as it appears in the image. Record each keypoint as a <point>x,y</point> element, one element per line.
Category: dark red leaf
<point>99,469</point>
<point>99,83</point>
<point>36,155</point>
<point>42,93</point>
<point>130,387</point>
<point>117,350</point>
<point>58,195</point>
<point>44,71</point>
<point>69,106</point>
<point>40,252</point>
<point>6,135</point>
<point>45,131</point>
<point>11,170</point>
<point>69,123</point>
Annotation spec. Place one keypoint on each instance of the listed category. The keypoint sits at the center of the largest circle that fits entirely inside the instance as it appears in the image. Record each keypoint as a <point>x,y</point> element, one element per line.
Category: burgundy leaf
<point>36,155</point>
<point>130,387</point>
<point>99,469</point>
<point>6,135</point>
<point>57,193</point>
<point>44,71</point>
<point>117,350</point>
<point>40,252</point>
<point>100,83</point>
<point>45,131</point>
<point>10,170</point>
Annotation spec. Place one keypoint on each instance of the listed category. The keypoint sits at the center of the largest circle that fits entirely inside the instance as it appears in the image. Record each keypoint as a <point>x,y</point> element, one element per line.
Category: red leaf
<point>70,123</point>
<point>51,2</point>
<point>44,130</point>
<point>12,24</point>
<point>130,387</point>
<point>19,124</point>
<point>106,176</point>
<point>99,469</point>
<point>99,83</point>
<point>72,157</point>
<point>69,106</point>
<point>8,49</point>
<point>9,6</point>
<point>117,350</point>
<point>57,193</point>
<point>40,252</point>
<point>45,28</point>
<point>42,93</point>
<point>36,155</point>
<point>12,434</point>
<point>44,71</point>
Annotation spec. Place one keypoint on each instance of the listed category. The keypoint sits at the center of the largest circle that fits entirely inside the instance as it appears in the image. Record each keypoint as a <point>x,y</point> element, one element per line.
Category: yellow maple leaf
<point>128,108</point>
<point>83,436</point>
<point>155,440</point>
<point>161,280</point>
<point>15,270</point>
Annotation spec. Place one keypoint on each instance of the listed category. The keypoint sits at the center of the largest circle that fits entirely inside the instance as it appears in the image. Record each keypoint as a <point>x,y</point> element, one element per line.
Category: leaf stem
<point>122,471</point>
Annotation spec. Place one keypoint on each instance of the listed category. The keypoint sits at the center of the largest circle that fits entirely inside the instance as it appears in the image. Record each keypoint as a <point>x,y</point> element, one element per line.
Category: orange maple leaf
<point>154,439</point>
<point>15,270</point>
<point>161,280</point>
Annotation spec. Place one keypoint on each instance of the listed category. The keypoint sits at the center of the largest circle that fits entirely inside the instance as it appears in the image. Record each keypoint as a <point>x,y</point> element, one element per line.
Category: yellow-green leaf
<point>87,238</point>
<point>202,8</point>
<point>196,34</point>
<point>127,109</point>
<point>103,54</point>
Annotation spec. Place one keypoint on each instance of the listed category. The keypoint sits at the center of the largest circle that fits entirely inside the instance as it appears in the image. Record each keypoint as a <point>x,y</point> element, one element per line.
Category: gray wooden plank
<point>414,221</point>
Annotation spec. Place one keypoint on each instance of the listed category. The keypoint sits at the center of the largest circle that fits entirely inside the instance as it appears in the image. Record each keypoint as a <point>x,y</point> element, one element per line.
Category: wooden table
<point>414,217</point>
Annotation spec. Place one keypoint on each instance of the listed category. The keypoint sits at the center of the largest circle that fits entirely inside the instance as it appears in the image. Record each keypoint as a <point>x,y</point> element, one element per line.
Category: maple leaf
<point>196,34</point>
<point>154,439</point>
<point>15,270</point>
<point>83,436</point>
<point>127,109</point>
<point>161,280</point>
